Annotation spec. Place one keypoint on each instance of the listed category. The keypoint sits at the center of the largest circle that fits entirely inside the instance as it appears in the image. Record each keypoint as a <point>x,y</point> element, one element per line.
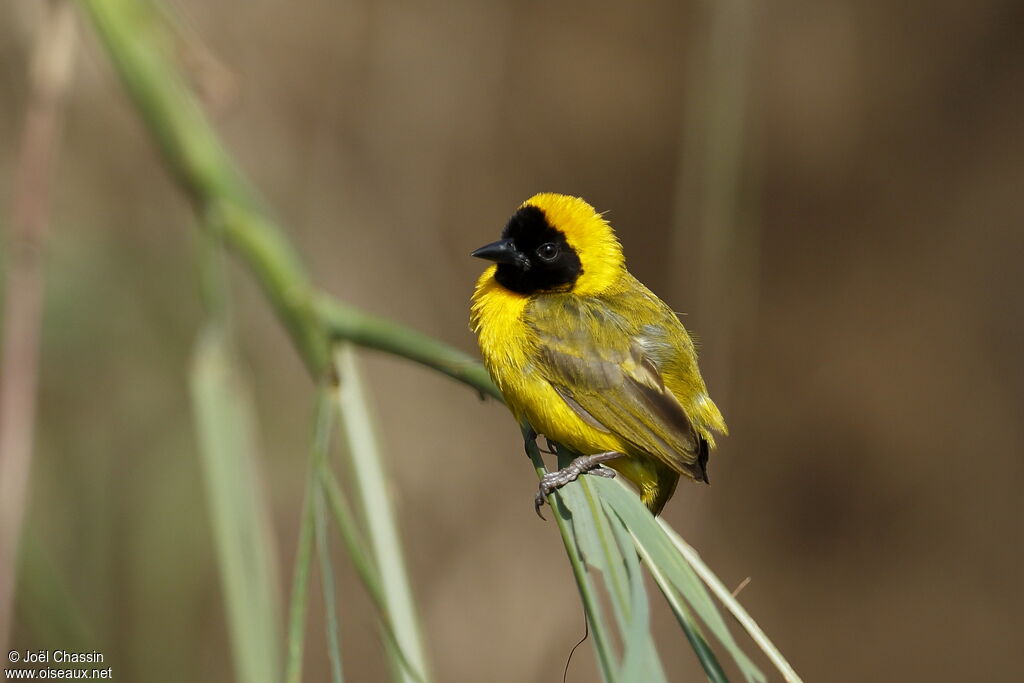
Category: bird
<point>587,356</point>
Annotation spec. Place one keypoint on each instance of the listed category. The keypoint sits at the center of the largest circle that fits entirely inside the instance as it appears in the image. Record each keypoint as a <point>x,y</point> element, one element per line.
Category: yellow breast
<point>508,347</point>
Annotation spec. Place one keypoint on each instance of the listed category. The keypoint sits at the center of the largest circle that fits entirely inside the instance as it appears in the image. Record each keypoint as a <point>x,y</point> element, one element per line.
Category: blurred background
<point>831,192</point>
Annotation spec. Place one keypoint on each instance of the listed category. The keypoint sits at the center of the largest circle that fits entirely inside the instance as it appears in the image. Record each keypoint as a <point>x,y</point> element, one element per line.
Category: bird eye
<point>548,251</point>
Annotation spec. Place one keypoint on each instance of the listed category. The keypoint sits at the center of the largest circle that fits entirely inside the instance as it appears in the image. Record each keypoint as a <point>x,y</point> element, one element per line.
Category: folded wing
<point>613,385</point>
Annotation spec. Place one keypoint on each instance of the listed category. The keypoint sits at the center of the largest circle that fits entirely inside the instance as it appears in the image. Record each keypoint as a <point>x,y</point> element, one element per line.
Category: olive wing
<point>615,387</point>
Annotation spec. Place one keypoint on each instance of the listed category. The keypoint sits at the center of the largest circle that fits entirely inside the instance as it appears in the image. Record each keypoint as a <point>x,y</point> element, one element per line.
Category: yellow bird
<point>589,357</point>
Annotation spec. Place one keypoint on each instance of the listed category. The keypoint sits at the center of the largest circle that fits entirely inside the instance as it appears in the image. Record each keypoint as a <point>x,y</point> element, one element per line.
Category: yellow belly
<point>507,346</point>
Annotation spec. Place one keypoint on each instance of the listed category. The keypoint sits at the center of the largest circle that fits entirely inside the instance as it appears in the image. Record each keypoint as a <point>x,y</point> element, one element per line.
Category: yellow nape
<point>590,235</point>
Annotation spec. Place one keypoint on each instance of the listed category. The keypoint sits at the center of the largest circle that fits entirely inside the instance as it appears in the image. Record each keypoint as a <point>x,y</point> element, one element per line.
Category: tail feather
<point>657,492</point>
<point>655,496</point>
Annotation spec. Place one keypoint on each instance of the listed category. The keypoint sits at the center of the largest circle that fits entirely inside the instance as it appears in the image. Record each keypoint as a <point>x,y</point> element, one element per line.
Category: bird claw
<point>538,503</point>
<point>552,481</point>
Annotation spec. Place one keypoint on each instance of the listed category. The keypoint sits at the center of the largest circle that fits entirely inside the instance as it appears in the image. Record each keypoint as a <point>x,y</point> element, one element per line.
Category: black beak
<point>502,251</point>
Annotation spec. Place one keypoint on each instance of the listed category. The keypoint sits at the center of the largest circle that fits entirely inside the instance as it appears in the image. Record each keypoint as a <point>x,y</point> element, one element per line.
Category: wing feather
<point>613,385</point>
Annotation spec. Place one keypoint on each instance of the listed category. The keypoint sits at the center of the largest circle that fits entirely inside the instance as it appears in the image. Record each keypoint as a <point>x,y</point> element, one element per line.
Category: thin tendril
<point>586,634</point>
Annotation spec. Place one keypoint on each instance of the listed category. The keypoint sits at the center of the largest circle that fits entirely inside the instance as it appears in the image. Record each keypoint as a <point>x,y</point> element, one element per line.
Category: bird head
<point>556,243</point>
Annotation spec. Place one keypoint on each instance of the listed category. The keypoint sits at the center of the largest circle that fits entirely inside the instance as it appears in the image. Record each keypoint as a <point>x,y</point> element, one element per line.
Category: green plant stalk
<point>323,550</point>
<point>732,604</point>
<point>358,552</point>
<point>132,33</point>
<point>617,582</point>
<point>355,544</point>
<point>591,602</point>
<point>300,587</point>
<point>623,502</point>
<point>588,591</point>
<point>238,509</point>
<point>318,463</point>
<point>372,490</point>
<point>705,654</point>
<point>347,323</point>
<point>224,421</point>
<point>640,658</point>
<point>227,204</point>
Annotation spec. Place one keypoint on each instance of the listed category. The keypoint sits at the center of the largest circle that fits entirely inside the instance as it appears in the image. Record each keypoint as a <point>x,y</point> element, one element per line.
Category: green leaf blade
<point>239,513</point>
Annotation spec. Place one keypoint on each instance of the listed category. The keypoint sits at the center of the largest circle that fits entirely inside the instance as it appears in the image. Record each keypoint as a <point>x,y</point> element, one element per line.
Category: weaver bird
<point>589,357</point>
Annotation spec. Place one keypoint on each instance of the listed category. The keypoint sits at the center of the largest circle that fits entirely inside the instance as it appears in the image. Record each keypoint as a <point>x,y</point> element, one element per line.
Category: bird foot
<point>584,464</point>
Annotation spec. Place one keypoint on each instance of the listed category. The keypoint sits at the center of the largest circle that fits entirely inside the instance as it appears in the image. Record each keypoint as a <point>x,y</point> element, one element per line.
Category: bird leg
<point>528,438</point>
<point>584,464</point>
